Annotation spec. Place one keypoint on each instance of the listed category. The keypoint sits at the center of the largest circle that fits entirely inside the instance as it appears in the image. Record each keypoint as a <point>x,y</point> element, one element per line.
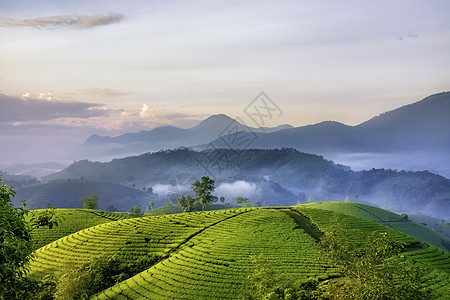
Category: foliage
<point>243,202</point>
<point>46,218</point>
<point>203,189</point>
<point>111,208</point>
<point>215,263</point>
<point>404,217</point>
<point>97,275</point>
<point>164,210</point>
<point>150,207</point>
<point>15,245</point>
<point>73,221</point>
<point>257,204</point>
<point>187,203</point>
<point>444,228</point>
<point>136,211</point>
<point>370,270</point>
<point>387,218</point>
<point>206,254</point>
<point>266,283</point>
<point>90,202</point>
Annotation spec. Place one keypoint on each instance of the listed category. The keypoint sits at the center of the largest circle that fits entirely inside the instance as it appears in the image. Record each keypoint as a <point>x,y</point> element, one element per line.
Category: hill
<point>67,194</point>
<point>208,255</point>
<point>72,220</point>
<point>387,218</point>
<point>273,177</point>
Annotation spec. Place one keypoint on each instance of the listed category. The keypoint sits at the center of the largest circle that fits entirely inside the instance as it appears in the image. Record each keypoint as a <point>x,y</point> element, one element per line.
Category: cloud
<point>238,188</point>
<point>104,92</point>
<point>46,96</point>
<point>409,36</point>
<point>64,21</point>
<point>159,115</point>
<point>43,109</point>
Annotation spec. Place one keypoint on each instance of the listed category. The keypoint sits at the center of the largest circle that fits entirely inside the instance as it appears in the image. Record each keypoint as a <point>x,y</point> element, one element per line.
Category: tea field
<point>71,221</point>
<point>209,255</point>
<point>390,219</point>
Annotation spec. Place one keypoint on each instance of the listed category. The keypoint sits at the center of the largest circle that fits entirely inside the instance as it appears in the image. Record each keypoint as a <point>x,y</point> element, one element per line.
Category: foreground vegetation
<point>302,252</point>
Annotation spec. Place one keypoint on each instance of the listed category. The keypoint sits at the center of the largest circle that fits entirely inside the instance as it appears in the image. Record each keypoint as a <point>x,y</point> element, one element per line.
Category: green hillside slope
<point>390,219</point>
<point>418,252</point>
<point>208,255</point>
<point>72,220</point>
<point>215,263</point>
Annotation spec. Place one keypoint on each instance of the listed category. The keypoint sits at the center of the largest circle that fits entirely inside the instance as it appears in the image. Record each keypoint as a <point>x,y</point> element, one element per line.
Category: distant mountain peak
<point>214,120</point>
<point>431,111</point>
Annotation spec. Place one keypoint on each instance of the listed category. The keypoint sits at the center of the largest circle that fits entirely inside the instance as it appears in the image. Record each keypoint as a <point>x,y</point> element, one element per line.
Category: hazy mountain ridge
<point>205,131</point>
<point>67,194</point>
<point>297,174</point>
<point>412,133</point>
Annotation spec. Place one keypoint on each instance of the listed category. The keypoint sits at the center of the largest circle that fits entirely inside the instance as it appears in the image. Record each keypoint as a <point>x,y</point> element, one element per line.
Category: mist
<point>434,162</point>
<point>236,189</point>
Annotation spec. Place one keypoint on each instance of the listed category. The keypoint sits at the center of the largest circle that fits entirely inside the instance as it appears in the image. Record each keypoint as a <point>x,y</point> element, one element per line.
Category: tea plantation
<point>209,255</point>
<point>71,221</point>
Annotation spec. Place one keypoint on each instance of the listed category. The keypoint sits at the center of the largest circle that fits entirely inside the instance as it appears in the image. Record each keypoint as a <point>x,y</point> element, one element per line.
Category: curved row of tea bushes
<point>215,264</point>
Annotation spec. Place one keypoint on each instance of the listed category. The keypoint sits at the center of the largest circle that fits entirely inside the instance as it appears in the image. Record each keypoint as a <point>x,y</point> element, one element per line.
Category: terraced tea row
<point>209,255</point>
<point>129,239</point>
<point>436,258</point>
<point>215,263</point>
<point>323,218</point>
<point>359,210</point>
<point>72,220</point>
<point>387,218</point>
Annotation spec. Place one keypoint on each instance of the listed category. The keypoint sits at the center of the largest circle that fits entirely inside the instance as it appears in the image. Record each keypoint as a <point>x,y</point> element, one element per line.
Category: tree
<point>186,203</point>
<point>136,211</point>
<point>242,201</point>
<point>150,207</point>
<point>46,218</point>
<point>90,202</point>
<point>310,200</point>
<point>257,204</point>
<point>15,245</point>
<point>222,199</point>
<point>203,189</point>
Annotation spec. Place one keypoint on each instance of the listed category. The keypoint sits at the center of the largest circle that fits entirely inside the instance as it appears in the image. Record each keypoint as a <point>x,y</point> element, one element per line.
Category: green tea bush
<point>98,275</point>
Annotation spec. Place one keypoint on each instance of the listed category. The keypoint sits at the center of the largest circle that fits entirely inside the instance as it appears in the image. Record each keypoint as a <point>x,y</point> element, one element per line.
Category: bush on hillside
<point>98,275</point>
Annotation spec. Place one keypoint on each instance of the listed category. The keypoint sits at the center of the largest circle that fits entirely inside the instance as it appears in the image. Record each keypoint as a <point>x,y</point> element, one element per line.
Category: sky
<point>71,68</point>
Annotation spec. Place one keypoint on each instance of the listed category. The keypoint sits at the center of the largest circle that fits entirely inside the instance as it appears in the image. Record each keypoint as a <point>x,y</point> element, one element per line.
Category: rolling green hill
<point>390,219</point>
<point>208,255</point>
<point>72,220</point>
<point>67,194</point>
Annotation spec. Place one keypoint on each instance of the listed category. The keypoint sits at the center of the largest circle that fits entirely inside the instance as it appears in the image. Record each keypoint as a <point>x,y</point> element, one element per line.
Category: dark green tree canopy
<point>90,202</point>
<point>15,245</point>
<point>203,189</point>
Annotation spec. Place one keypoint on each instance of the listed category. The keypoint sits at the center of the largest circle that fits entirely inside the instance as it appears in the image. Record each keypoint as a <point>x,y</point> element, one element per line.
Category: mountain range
<point>273,177</point>
<point>169,137</point>
<point>412,137</point>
